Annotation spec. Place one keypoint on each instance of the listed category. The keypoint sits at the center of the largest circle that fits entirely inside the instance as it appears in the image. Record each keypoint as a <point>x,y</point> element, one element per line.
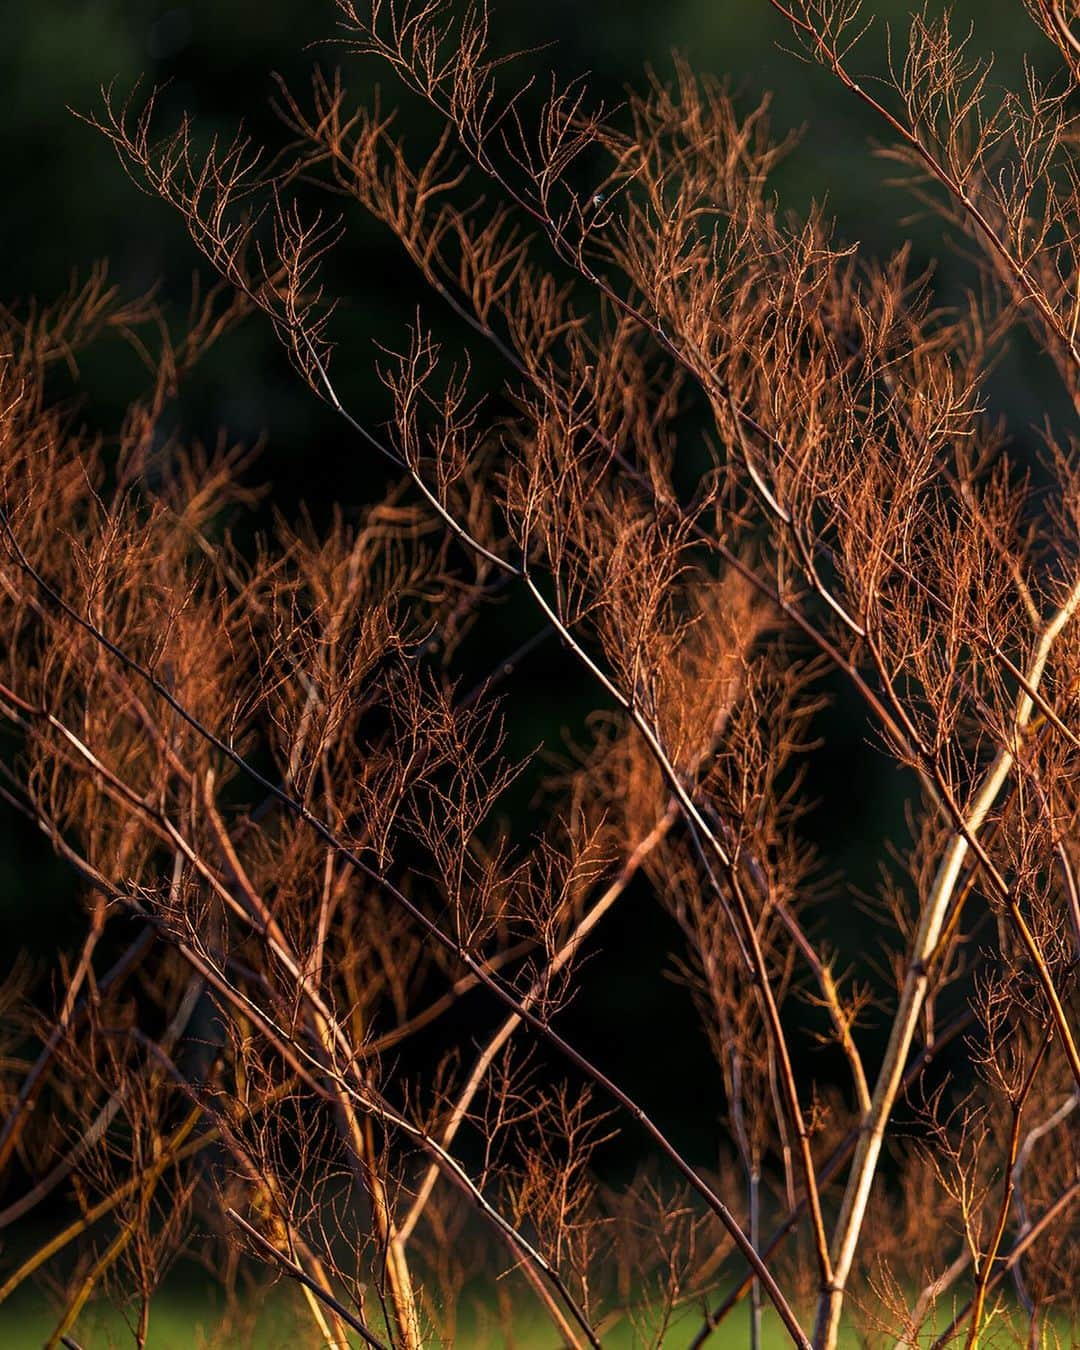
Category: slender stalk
<point>26,1097</point>
<point>296,1272</point>
<point>565,954</point>
<point>913,993</point>
<point>1049,1216</point>
<point>988,1258</point>
<point>172,1151</point>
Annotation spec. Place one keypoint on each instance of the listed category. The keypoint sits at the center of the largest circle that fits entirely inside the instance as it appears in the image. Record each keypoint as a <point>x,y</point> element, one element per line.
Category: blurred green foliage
<point>181,1322</point>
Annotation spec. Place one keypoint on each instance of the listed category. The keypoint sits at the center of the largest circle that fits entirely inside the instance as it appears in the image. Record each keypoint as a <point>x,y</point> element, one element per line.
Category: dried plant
<point>727,461</point>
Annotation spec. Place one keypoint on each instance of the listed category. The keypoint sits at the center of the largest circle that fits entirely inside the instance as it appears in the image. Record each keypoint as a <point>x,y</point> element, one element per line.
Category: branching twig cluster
<point>729,458</point>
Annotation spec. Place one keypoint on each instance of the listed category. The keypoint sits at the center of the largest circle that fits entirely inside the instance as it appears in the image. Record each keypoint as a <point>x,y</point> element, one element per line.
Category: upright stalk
<point>913,995</point>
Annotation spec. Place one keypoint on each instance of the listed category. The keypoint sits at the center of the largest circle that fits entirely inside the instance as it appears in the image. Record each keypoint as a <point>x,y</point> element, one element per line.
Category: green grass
<point>188,1322</point>
<point>179,1323</point>
<point>176,1323</point>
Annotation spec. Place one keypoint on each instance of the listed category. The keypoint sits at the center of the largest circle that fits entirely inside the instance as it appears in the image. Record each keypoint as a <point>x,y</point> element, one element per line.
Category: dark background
<point>67,203</point>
